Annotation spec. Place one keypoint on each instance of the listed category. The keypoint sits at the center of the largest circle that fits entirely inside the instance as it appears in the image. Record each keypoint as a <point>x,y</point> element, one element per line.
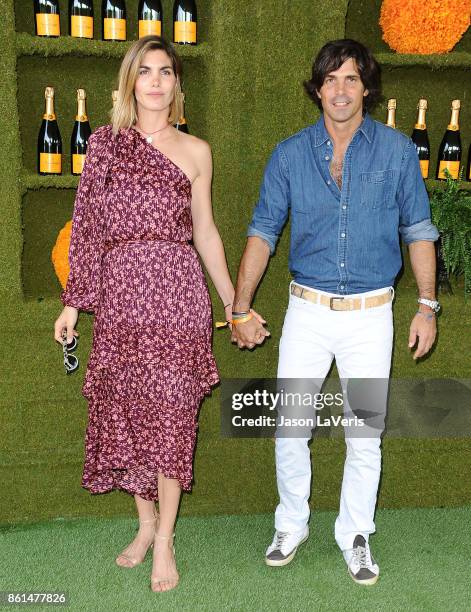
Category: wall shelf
<point>458,59</point>
<point>27,44</point>
<point>31,180</point>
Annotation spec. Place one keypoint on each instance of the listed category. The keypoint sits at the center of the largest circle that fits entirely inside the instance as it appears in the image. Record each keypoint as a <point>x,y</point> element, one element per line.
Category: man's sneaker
<point>284,546</point>
<point>361,565</point>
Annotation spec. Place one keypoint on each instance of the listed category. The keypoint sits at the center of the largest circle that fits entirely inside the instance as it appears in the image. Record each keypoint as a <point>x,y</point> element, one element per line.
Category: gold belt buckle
<point>332,304</point>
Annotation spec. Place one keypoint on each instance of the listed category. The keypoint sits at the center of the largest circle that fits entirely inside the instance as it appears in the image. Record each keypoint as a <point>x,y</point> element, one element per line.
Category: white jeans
<point>361,342</point>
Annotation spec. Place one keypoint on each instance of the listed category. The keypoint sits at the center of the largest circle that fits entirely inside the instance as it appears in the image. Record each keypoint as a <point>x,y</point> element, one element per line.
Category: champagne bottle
<point>468,173</point>
<point>449,153</point>
<point>391,120</point>
<point>420,138</point>
<point>81,18</point>
<point>46,18</point>
<point>49,139</point>
<point>184,22</point>
<point>114,19</point>
<point>181,124</point>
<point>80,134</point>
<point>150,17</point>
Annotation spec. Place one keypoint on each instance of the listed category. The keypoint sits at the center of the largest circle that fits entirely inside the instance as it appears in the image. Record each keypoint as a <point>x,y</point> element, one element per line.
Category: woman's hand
<point>66,321</point>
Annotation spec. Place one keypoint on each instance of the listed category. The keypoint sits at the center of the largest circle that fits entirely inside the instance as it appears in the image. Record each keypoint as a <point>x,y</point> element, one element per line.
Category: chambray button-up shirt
<point>344,240</point>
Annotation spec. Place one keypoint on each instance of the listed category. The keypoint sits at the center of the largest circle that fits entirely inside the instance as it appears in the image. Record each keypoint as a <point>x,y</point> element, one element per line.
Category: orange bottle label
<point>453,168</point>
<point>81,27</point>
<point>185,31</point>
<point>114,29</point>
<point>48,24</point>
<point>50,163</point>
<point>147,26</point>
<point>78,160</point>
<point>424,164</point>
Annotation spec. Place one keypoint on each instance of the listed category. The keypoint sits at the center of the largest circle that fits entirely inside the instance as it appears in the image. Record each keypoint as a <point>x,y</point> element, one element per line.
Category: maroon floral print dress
<point>151,363</point>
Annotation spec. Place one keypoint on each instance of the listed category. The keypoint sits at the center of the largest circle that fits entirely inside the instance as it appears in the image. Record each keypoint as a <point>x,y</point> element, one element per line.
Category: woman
<point>144,193</point>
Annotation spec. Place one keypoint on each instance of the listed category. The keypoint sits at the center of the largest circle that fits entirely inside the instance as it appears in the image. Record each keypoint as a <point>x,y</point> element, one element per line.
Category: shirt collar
<point>321,135</point>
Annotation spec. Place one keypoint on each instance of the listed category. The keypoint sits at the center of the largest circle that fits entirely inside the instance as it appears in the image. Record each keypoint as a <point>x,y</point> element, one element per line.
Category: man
<point>353,186</point>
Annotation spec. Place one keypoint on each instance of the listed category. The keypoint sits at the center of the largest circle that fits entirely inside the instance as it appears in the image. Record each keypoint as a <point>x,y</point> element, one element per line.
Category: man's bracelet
<point>241,313</point>
<point>427,315</point>
<point>237,320</point>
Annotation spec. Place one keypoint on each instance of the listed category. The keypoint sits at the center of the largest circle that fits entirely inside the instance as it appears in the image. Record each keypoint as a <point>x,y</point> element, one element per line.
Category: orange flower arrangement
<point>60,254</point>
<point>423,27</point>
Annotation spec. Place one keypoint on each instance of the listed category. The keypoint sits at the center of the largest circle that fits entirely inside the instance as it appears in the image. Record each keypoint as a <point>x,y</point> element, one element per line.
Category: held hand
<point>250,333</point>
<point>66,322</point>
<point>423,328</point>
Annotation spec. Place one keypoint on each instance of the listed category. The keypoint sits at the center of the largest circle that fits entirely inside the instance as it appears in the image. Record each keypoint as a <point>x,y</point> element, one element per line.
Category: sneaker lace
<point>280,538</point>
<point>362,556</point>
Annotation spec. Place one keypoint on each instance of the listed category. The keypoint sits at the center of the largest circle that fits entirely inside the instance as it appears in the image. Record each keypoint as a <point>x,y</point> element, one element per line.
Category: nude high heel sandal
<point>132,560</point>
<point>155,580</point>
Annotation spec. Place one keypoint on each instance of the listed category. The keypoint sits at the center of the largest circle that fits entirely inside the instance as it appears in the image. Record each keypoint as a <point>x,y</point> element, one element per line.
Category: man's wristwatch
<point>433,304</point>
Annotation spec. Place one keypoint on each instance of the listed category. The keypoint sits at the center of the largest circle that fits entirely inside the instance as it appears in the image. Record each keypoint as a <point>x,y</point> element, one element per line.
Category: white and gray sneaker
<point>361,565</point>
<point>284,546</point>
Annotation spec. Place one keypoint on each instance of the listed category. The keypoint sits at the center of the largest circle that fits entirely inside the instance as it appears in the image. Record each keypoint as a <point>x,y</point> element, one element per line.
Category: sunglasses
<point>71,362</point>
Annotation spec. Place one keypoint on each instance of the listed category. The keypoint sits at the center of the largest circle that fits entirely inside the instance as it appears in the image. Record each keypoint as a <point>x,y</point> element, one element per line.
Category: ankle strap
<point>149,520</point>
<point>164,537</point>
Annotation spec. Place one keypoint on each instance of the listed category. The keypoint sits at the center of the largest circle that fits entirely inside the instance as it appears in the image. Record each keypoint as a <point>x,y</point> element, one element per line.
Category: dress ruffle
<point>140,361</point>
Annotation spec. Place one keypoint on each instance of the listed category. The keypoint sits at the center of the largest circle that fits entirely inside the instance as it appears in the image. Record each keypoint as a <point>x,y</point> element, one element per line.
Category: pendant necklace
<point>149,136</point>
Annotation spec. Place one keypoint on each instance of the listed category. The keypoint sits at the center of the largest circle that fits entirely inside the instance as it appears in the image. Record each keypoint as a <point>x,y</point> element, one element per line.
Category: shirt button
<point>344,207</point>
<point>342,264</point>
<point>328,143</point>
<point>326,158</point>
<point>343,234</point>
<point>328,182</point>
<point>342,286</point>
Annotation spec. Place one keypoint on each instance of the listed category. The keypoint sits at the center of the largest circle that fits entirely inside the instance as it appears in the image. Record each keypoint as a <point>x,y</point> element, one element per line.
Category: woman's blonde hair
<point>124,112</point>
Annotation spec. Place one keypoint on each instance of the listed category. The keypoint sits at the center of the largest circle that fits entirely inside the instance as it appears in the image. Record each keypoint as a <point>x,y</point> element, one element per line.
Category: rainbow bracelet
<point>244,319</point>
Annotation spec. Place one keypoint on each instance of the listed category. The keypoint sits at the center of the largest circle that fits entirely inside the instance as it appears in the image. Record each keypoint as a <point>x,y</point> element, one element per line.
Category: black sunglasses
<point>71,362</point>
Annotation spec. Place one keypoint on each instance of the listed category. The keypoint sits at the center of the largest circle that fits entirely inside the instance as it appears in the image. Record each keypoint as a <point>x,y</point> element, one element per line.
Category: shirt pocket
<point>377,189</point>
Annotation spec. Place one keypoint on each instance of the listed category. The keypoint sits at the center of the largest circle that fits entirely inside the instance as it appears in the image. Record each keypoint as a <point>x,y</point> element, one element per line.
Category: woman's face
<point>155,84</point>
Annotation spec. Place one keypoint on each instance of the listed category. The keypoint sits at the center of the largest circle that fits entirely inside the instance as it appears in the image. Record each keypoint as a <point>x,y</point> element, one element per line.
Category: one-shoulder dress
<point>133,265</point>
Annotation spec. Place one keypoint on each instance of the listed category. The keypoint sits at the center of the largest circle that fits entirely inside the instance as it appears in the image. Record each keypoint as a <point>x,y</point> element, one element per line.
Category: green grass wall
<point>244,93</point>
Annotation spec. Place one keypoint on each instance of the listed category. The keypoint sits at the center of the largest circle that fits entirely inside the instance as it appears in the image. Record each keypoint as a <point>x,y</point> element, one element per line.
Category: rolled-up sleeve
<point>86,243</point>
<point>272,208</point>
<point>414,207</point>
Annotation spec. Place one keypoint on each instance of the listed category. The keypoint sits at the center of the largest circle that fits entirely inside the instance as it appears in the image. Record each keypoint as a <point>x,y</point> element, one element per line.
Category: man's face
<point>342,93</point>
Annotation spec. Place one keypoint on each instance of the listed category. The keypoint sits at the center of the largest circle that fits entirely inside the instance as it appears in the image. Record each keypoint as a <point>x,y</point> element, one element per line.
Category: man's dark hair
<point>332,56</point>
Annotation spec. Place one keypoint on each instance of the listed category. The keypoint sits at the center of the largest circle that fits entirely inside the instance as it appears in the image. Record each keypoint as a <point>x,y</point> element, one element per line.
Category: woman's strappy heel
<point>154,580</point>
<point>132,560</point>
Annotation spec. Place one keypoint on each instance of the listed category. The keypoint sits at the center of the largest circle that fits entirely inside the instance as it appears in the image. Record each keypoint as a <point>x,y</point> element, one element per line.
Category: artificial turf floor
<point>423,554</point>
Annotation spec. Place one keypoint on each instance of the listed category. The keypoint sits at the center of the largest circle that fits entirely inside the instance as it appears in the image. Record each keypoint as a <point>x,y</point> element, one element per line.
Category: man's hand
<point>250,333</point>
<point>423,328</point>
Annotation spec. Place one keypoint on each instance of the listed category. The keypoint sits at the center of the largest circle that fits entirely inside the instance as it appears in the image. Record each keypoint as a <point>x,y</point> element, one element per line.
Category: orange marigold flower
<point>423,27</point>
<point>60,254</point>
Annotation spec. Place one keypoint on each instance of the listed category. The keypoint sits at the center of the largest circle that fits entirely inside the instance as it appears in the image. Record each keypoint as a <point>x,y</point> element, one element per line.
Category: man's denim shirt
<point>344,241</point>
